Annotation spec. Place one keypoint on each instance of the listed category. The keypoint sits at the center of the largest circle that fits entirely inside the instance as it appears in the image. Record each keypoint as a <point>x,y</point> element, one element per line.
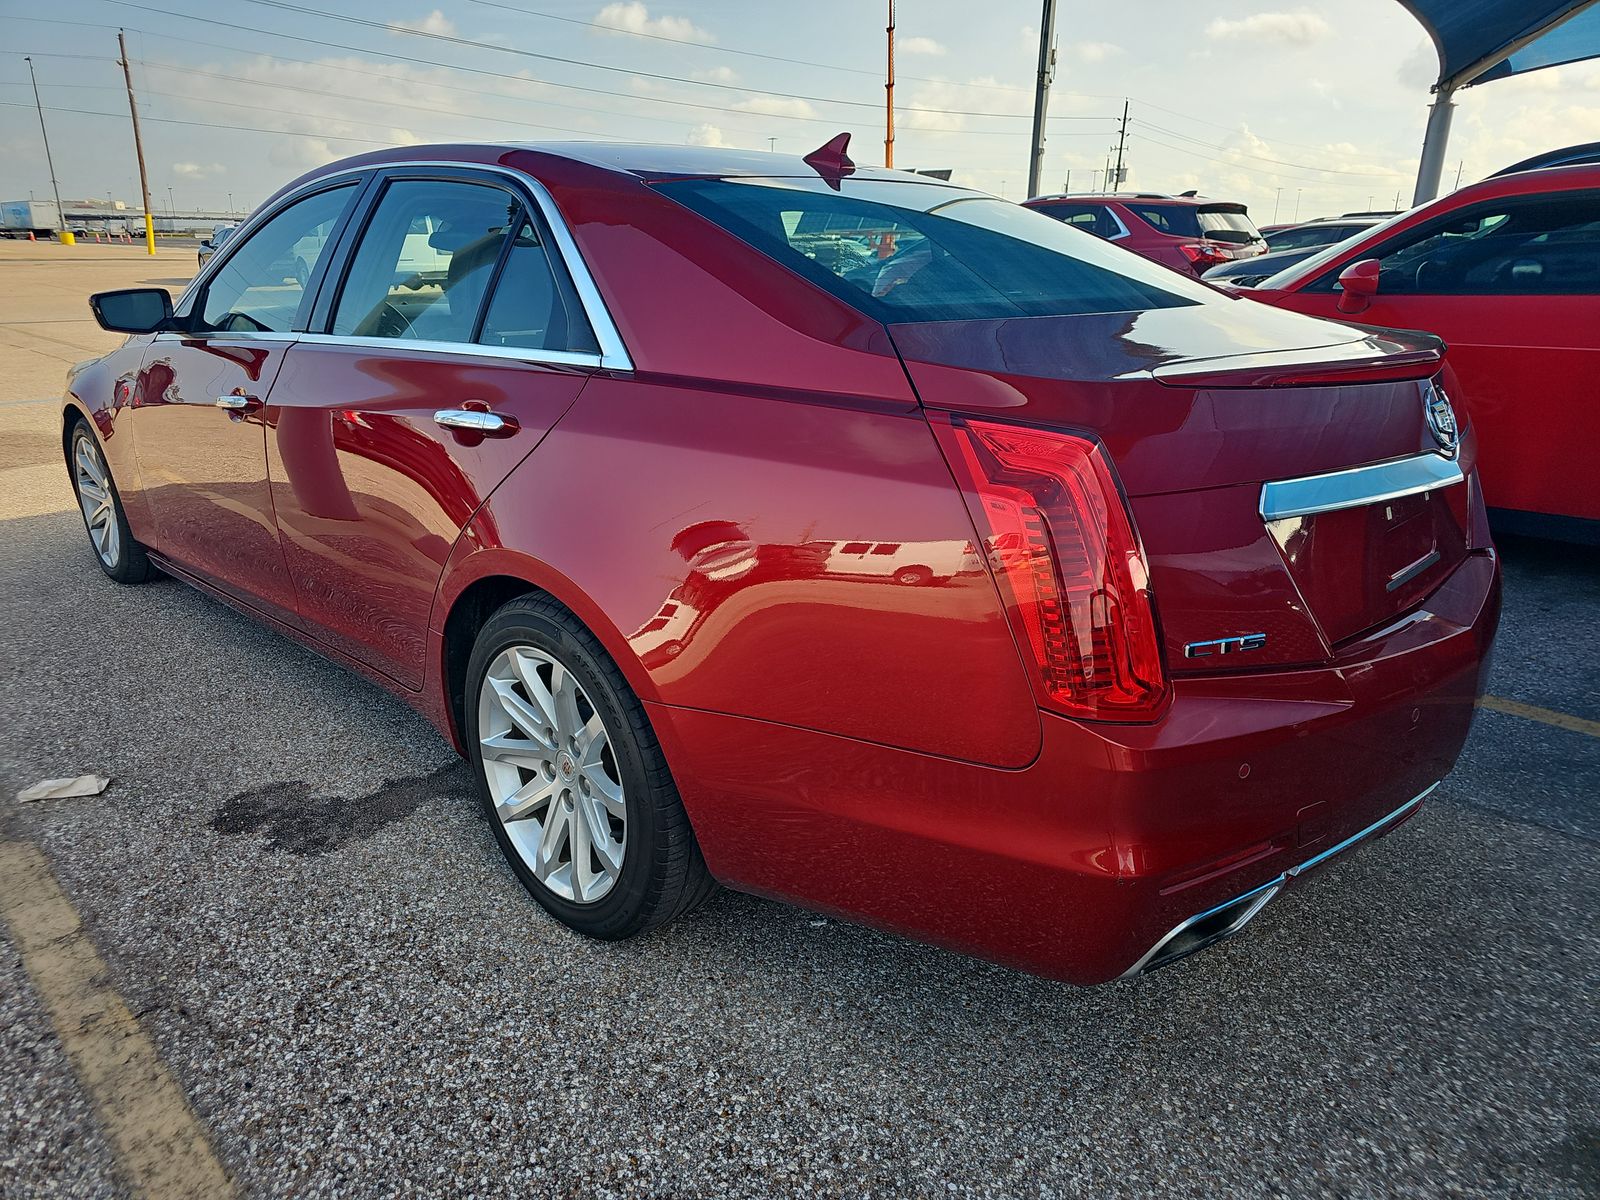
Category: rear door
<point>200,402</point>
<point>453,343</point>
<point>1513,286</point>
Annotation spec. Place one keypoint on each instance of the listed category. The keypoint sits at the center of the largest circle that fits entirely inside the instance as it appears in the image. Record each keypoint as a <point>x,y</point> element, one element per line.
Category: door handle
<point>485,424</point>
<point>237,403</point>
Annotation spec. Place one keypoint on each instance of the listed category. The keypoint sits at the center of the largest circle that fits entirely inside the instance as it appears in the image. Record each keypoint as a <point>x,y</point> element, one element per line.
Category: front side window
<point>262,286</point>
<point>1545,245</point>
<point>424,262</point>
<point>903,252</point>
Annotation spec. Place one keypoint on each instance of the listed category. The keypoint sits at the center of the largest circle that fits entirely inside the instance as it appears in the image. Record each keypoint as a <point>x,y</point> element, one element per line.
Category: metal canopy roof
<point>1479,40</point>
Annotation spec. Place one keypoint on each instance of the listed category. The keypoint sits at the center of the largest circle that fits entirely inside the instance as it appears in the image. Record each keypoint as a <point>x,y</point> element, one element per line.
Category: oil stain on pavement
<point>297,820</point>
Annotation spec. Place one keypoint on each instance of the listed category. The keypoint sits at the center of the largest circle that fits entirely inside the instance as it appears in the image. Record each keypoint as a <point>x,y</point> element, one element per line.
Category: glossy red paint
<point>1524,359</point>
<point>757,522</point>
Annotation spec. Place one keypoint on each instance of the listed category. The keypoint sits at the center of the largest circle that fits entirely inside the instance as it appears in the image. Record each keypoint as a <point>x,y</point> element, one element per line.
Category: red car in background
<point>1185,232</point>
<point>834,534</point>
<point>1507,272</point>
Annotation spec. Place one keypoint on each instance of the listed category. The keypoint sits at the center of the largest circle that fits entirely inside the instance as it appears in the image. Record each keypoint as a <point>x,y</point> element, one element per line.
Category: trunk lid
<point>1198,407</point>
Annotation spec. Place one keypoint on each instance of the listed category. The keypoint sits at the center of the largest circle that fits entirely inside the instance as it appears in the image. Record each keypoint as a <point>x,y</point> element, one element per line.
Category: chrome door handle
<point>236,402</point>
<point>467,420</point>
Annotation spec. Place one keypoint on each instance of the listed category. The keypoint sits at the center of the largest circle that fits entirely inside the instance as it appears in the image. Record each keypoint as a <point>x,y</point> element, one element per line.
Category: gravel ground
<point>289,879</point>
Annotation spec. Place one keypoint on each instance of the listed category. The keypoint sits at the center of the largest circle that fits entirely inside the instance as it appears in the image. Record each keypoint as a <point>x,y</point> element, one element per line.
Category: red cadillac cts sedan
<point>834,534</point>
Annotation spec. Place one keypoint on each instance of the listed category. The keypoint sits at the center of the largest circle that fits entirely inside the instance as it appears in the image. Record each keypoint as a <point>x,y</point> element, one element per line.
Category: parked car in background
<point>1566,156</point>
<point>721,509</point>
<point>1187,233</point>
<point>1507,272</point>
<point>1289,245</point>
<point>212,244</point>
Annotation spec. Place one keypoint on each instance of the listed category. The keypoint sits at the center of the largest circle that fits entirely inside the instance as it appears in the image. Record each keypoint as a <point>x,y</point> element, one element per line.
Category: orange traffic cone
<point>31,238</point>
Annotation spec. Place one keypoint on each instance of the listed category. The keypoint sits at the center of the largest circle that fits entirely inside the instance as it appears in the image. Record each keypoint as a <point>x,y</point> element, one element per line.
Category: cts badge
<point>1228,645</point>
<point>1441,418</point>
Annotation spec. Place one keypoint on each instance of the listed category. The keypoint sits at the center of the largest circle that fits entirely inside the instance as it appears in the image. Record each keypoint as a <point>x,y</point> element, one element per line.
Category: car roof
<point>1124,198</point>
<point>642,160</point>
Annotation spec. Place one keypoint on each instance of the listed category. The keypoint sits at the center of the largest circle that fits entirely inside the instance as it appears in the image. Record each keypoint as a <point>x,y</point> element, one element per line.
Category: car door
<point>453,343</point>
<point>199,401</point>
<point>1513,286</point>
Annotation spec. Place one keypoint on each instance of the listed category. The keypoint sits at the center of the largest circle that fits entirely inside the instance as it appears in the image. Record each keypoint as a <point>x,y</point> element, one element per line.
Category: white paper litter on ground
<point>64,789</point>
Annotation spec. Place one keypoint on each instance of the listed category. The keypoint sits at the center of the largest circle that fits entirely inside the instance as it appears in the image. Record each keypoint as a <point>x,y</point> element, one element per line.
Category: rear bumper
<point>1079,865</point>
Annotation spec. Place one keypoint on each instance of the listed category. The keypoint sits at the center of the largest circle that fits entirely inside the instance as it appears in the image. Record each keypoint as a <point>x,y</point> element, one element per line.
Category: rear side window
<point>534,304</point>
<point>912,252</point>
<point>1544,245</point>
<point>1091,218</point>
<point>424,262</point>
<point>1177,219</point>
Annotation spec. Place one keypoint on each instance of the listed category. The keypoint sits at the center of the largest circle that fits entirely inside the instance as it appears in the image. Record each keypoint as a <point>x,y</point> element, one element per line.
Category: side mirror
<point>133,310</point>
<point>1359,284</point>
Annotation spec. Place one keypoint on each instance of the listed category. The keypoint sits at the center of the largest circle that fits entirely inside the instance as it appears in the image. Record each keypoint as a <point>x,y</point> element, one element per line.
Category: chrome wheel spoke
<point>96,501</point>
<point>548,763</point>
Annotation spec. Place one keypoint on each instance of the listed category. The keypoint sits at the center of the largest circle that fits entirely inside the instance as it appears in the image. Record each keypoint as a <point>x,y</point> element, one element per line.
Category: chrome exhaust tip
<point>1205,929</point>
<point>1228,918</point>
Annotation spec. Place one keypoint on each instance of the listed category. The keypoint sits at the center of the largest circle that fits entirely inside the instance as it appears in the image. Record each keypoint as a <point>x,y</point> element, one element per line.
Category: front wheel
<point>119,555</point>
<point>572,777</point>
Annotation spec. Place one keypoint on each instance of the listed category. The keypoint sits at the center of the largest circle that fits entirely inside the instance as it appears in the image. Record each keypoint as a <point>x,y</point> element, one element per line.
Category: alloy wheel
<point>552,774</point>
<point>96,499</point>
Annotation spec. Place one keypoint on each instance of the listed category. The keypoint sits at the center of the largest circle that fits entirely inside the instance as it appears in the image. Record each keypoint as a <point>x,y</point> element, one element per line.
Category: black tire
<point>129,563</point>
<point>913,576</point>
<point>663,874</point>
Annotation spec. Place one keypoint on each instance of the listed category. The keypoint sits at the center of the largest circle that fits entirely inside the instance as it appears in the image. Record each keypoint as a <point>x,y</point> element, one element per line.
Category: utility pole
<point>138,146</point>
<point>1296,217</point>
<point>1041,97</point>
<point>1460,166</point>
<point>61,216</point>
<point>1275,199</point>
<point>888,98</point>
<point>1122,141</point>
<point>1067,186</point>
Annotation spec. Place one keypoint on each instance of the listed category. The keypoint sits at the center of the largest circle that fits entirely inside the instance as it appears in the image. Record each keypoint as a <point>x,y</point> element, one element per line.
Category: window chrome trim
<point>560,358</point>
<point>613,351</point>
<point>1286,498</point>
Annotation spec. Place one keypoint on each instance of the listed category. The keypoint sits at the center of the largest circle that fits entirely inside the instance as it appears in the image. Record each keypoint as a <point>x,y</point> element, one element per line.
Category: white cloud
<point>1286,28</point>
<point>717,75</point>
<point>435,22</point>
<point>776,106</point>
<point>631,16</point>
<point>706,135</point>
<point>189,170</point>
<point>920,45</point>
<point>1093,52</point>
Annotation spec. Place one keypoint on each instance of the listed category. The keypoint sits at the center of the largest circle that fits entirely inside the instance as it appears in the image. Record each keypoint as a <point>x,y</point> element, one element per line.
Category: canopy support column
<point>1434,143</point>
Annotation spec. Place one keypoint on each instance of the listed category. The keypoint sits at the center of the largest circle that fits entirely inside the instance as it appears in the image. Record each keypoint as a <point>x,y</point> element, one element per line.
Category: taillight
<point>1203,254</point>
<point>1062,547</point>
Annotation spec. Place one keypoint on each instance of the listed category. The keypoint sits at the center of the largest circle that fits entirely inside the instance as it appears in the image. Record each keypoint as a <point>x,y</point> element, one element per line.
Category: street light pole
<point>61,216</point>
<point>888,98</point>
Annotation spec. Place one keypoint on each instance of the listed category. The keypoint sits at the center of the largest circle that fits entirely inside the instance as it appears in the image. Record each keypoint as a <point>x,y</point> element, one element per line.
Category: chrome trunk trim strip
<point>1285,498</point>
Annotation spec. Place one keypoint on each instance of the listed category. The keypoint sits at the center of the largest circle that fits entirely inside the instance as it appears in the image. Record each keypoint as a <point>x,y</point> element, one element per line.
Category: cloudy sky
<point>1316,107</point>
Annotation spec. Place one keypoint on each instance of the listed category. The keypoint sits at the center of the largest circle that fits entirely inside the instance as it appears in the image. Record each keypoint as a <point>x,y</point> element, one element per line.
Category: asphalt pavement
<point>293,892</point>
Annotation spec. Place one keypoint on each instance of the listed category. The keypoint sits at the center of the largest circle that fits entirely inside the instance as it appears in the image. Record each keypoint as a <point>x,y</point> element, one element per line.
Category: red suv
<point>828,533</point>
<point>1182,232</point>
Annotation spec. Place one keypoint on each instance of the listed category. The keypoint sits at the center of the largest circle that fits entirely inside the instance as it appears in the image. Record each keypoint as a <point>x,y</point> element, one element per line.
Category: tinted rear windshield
<point>1188,220</point>
<point>904,252</point>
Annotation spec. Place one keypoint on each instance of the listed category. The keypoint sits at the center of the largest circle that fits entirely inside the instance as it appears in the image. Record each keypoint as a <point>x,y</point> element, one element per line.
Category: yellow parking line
<point>1547,716</point>
<point>158,1141</point>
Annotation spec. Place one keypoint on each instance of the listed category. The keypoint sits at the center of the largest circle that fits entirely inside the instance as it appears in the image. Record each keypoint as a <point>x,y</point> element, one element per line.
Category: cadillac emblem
<point>1441,418</point>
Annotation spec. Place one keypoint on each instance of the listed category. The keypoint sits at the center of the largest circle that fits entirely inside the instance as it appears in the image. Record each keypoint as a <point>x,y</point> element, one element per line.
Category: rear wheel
<point>573,779</point>
<point>119,555</point>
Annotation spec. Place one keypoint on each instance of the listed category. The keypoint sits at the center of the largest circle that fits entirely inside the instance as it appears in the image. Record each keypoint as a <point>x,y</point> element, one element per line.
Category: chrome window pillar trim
<point>559,358</point>
<point>1282,499</point>
<point>1257,898</point>
<point>613,351</point>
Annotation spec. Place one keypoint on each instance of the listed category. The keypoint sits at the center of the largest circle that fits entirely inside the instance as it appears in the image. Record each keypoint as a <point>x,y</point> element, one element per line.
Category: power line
<point>1263,158</point>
